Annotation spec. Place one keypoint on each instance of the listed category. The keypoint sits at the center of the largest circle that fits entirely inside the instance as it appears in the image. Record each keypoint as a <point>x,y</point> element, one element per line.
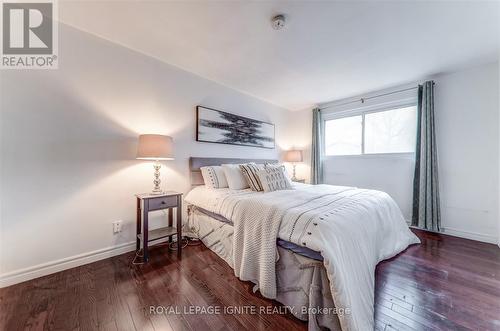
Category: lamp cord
<point>171,246</point>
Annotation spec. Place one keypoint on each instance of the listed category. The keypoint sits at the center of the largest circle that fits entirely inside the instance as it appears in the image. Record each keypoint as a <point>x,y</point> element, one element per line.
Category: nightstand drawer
<point>162,203</point>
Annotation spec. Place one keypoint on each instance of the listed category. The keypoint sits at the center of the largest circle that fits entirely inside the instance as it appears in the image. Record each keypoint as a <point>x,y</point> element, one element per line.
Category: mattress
<point>304,251</point>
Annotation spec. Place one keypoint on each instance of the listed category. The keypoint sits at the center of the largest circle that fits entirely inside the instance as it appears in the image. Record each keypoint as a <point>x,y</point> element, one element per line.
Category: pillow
<point>250,172</point>
<point>234,176</point>
<point>278,165</point>
<point>274,179</point>
<point>214,177</point>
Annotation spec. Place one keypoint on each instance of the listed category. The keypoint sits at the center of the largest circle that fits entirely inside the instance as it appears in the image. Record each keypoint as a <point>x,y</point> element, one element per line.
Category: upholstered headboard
<point>195,163</point>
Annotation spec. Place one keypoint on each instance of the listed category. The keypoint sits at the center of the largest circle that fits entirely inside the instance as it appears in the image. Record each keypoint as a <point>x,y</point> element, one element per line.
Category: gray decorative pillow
<point>278,165</point>
<point>250,171</point>
<point>274,179</point>
<point>214,177</point>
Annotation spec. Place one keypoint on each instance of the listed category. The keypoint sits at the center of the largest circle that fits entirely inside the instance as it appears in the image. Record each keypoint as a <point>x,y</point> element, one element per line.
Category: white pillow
<point>214,177</point>
<point>234,176</point>
<point>274,179</point>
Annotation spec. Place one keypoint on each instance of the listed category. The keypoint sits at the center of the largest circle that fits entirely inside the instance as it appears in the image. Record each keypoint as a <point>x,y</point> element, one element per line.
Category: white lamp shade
<point>293,156</point>
<point>155,147</point>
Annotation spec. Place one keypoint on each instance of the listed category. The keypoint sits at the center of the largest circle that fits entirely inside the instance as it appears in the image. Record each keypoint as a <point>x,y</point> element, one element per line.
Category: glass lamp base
<point>156,181</point>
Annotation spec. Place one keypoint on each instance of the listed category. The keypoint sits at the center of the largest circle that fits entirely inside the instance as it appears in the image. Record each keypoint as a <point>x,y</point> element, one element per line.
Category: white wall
<point>467,126</point>
<point>69,141</point>
<point>299,136</point>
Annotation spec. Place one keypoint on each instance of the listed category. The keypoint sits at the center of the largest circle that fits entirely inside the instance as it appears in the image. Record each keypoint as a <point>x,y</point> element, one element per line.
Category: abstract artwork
<point>216,126</point>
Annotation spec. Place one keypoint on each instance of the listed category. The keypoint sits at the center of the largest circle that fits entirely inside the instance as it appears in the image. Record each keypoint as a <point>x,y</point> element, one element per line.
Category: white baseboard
<point>22,275</point>
<point>471,235</point>
<point>465,234</point>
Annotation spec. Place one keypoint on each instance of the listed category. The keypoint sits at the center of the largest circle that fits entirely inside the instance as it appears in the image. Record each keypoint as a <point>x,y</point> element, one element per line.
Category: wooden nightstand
<point>303,181</point>
<point>148,202</point>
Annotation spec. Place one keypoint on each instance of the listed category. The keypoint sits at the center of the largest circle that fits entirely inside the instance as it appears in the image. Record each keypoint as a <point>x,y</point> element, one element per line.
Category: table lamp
<point>155,147</point>
<point>293,156</point>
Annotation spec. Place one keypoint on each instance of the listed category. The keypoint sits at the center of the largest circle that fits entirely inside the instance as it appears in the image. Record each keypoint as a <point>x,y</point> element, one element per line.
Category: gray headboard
<point>195,163</point>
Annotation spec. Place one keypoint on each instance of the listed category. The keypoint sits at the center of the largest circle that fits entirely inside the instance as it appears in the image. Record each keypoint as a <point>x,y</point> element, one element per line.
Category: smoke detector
<point>278,22</point>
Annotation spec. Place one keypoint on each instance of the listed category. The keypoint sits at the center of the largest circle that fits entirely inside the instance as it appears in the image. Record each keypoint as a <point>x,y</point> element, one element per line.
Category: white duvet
<point>353,229</point>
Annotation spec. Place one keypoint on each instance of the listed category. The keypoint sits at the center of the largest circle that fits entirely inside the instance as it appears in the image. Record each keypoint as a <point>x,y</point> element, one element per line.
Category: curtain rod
<point>362,100</point>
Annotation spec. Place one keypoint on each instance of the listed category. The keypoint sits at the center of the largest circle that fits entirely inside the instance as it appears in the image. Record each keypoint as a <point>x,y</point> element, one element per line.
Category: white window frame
<point>362,111</point>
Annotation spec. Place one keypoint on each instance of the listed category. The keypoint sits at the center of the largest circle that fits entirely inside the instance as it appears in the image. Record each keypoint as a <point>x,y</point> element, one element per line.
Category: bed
<point>313,248</point>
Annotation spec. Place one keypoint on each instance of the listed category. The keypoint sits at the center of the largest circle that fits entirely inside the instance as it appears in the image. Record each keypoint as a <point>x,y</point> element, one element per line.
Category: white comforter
<point>354,229</point>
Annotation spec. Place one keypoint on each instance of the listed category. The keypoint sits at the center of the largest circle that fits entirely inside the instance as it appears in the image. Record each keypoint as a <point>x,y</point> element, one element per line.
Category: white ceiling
<point>328,50</point>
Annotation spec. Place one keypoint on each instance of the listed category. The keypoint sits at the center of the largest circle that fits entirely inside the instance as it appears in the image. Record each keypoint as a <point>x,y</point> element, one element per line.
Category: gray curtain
<point>426,209</point>
<point>316,149</point>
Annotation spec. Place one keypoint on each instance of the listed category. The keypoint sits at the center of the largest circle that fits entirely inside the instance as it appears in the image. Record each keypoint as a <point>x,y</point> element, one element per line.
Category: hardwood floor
<point>445,283</point>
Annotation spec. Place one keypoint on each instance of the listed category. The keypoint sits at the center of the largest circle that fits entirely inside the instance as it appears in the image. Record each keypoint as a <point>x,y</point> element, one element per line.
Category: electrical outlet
<point>117,226</point>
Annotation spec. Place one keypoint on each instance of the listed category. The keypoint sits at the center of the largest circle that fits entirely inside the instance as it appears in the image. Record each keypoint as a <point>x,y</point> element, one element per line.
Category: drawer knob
<point>163,203</point>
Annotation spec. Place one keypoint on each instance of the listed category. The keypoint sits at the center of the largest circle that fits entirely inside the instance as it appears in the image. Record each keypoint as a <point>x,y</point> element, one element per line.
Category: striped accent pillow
<point>274,179</point>
<point>214,177</point>
<point>250,172</point>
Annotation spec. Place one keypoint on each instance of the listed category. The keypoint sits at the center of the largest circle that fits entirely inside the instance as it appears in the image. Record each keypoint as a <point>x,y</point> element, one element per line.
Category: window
<point>388,131</point>
<point>343,136</point>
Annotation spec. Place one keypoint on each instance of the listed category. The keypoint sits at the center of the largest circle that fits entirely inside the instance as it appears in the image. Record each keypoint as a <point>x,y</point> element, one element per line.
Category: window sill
<point>373,156</point>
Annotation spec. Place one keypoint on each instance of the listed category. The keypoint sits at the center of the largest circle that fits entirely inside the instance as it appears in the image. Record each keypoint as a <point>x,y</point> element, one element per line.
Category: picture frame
<point>220,127</point>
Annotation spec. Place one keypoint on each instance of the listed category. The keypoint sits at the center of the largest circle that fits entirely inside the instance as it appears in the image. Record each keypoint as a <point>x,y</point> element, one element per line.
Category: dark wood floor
<point>445,283</point>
